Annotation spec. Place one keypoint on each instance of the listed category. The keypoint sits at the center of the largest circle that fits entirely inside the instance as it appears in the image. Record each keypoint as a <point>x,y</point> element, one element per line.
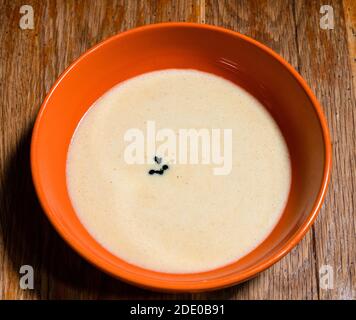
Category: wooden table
<point>31,60</point>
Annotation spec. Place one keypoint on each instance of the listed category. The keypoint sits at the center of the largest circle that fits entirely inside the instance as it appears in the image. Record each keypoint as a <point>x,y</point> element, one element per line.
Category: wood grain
<point>350,23</point>
<point>327,70</point>
<point>31,60</point>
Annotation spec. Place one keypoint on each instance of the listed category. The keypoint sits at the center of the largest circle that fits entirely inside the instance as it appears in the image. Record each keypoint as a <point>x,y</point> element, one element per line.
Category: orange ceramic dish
<point>185,45</point>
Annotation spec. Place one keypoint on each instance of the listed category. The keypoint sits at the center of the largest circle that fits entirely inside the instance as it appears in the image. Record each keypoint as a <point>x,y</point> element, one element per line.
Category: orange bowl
<point>228,54</point>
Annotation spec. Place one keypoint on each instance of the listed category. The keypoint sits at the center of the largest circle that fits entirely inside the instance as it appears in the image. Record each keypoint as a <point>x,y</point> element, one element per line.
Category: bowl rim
<point>182,286</point>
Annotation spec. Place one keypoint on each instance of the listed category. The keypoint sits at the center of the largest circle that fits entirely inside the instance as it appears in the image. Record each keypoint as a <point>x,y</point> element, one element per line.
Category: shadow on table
<point>29,239</point>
